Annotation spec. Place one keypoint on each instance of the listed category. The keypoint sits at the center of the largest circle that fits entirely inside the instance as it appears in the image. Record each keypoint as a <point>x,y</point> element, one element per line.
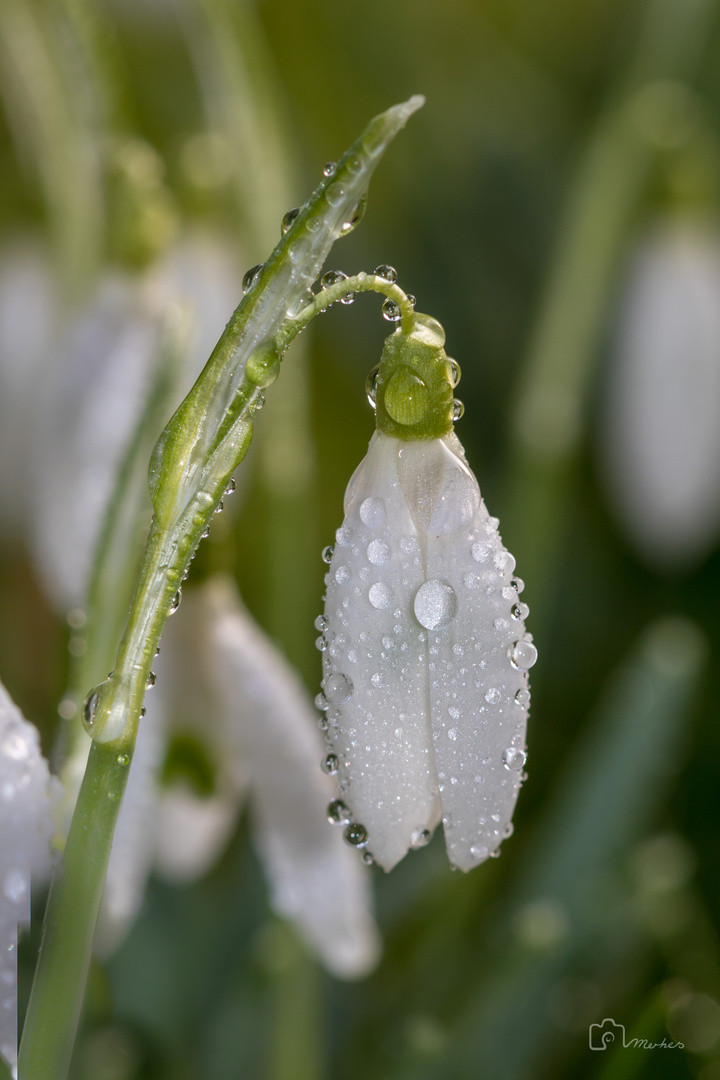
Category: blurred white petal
<point>27,315</point>
<point>661,431</point>
<point>426,710</point>
<point>269,722</point>
<point>87,409</point>
<point>27,793</point>
<point>191,831</point>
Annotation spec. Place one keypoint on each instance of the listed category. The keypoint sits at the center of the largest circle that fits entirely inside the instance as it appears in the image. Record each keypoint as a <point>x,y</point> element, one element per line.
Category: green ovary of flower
<point>414,387</point>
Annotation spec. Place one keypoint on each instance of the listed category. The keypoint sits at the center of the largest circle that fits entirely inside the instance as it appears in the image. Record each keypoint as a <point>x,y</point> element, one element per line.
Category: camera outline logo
<point>600,1036</point>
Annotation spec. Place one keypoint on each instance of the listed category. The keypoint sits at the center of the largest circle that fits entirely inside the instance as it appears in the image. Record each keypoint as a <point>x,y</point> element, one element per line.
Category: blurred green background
<point>554,135</point>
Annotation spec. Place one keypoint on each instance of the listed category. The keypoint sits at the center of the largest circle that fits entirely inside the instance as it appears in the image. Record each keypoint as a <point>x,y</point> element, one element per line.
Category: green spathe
<point>414,389</point>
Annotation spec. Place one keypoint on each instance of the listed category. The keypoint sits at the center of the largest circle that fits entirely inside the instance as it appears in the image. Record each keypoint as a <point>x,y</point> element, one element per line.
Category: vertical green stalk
<point>608,188</point>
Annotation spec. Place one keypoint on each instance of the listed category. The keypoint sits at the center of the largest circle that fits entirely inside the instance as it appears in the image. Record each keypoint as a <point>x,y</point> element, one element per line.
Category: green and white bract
<point>425,653</point>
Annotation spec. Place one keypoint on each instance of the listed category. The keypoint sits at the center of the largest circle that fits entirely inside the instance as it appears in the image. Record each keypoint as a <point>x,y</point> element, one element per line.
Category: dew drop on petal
<point>513,759</point>
<point>321,623</point>
<point>330,764</point>
<point>458,409</point>
<point>380,595</point>
<point>378,552</point>
<point>338,688</point>
<point>453,734</point>
<point>523,696</point>
<point>342,575</point>
<point>338,813</point>
<point>251,277</point>
<point>289,219</point>
<point>356,834</point>
<point>420,838</point>
<point>479,851</point>
<point>519,611</point>
<point>321,702</point>
<point>373,513</point>
<point>435,604</point>
<point>329,169</point>
<point>504,562</point>
<point>522,655</point>
<point>480,551</point>
<point>377,679</point>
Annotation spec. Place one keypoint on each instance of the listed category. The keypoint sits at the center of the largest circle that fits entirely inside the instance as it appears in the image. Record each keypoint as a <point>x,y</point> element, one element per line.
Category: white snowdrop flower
<point>234,722</point>
<point>661,424</point>
<point>425,657</point>
<point>27,795</point>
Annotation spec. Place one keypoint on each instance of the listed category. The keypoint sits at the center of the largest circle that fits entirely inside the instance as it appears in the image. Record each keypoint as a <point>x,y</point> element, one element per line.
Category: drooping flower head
<point>425,654</point>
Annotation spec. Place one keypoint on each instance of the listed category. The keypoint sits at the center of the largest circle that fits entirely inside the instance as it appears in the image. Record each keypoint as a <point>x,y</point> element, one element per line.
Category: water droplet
<point>157,650</point>
<point>289,220</point>
<point>123,759</point>
<point>151,680</point>
<point>348,298</point>
<point>327,553</point>
<point>391,311</point>
<point>377,679</point>
<point>479,851</point>
<point>15,746</point>
<point>513,759</point>
<point>522,655</point>
<point>321,702</point>
<point>330,764</point>
<point>356,835</point>
<point>204,535</point>
<point>321,623</point>
<point>342,575</point>
<point>15,886</point>
<point>453,734</point>
<point>523,696</point>
<point>372,513</point>
<point>331,278</point>
<point>380,595</point>
<point>143,711</point>
<point>329,169</point>
<point>371,387</point>
<point>355,218</point>
<point>517,584</point>
<point>420,838</point>
<point>412,300</point>
<point>251,277</point>
<point>504,562</point>
<point>175,602</point>
<point>480,551</point>
<point>493,695</point>
<point>367,858</point>
<point>338,813</point>
<point>90,709</point>
<point>455,372</point>
<point>338,688</point>
<point>321,644</point>
<point>335,194</point>
<point>458,409</point>
<point>435,604</point>
<point>231,486</point>
<point>378,552</point>
<point>388,273</point>
<point>519,611</point>
<point>220,507</point>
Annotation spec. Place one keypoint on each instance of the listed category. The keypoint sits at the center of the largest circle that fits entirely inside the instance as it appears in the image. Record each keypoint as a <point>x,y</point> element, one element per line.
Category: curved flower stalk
<point>27,793</point>
<point>425,653</point>
<point>661,431</point>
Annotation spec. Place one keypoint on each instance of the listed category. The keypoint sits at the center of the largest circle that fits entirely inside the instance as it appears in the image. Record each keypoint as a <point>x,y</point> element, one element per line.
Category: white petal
<point>477,720</point>
<point>27,794</point>
<point>89,405</point>
<point>662,419</point>
<point>381,732</point>
<point>315,879</point>
<point>191,831</point>
<point>432,720</point>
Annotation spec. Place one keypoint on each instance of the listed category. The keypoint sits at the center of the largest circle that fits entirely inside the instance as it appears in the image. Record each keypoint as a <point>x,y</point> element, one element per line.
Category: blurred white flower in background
<point>27,795</point>
<point>660,433</point>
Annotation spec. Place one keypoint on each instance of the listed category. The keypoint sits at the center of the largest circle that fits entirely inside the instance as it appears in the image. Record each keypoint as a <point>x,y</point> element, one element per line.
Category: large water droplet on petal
<point>338,688</point>
<point>380,595</point>
<point>435,604</point>
<point>513,759</point>
<point>378,552</point>
<point>372,513</point>
<point>522,655</point>
<point>356,835</point>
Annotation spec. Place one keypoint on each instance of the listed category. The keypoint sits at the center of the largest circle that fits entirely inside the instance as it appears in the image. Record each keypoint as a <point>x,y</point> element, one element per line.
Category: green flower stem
<point>189,472</point>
